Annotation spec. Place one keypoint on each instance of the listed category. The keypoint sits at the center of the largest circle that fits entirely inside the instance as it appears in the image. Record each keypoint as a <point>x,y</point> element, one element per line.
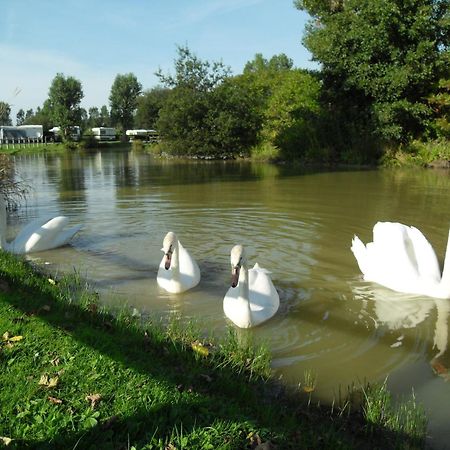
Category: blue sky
<point>97,39</point>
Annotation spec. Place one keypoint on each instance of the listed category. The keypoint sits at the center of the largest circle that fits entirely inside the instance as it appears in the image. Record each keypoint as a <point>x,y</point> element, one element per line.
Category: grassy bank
<point>74,376</point>
<point>59,147</point>
<point>13,149</point>
<point>419,154</point>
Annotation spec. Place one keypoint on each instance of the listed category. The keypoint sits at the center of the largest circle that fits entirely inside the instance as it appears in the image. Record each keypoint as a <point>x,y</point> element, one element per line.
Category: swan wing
<point>264,298</point>
<point>360,252</point>
<point>38,236</point>
<point>189,270</point>
<point>392,256</point>
<point>27,230</point>
<point>425,256</point>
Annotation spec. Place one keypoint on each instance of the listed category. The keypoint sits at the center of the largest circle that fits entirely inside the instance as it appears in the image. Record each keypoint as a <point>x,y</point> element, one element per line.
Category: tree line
<point>384,81</point>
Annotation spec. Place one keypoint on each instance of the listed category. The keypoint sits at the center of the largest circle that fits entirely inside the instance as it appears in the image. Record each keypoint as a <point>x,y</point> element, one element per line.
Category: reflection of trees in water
<point>68,169</point>
<point>72,183</point>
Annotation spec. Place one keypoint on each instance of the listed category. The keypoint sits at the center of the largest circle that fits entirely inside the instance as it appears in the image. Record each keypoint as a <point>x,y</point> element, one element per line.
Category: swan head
<point>238,258</point>
<point>168,248</point>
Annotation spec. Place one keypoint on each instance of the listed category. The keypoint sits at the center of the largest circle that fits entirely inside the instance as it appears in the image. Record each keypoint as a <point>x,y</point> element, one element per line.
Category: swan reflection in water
<point>399,311</point>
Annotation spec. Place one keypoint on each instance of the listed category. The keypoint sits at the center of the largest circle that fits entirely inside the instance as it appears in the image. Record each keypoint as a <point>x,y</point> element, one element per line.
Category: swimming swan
<point>41,234</point>
<point>401,258</point>
<point>252,298</point>
<point>178,270</point>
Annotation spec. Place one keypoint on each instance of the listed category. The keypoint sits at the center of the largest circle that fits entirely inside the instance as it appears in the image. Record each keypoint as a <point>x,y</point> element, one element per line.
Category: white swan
<point>252,298</point>
<point>178,271</point>
<point>39,235</point>
<point>401,258</point>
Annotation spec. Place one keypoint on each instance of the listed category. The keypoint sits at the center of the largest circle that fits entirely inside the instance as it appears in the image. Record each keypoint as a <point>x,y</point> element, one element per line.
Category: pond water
<point>297,224</point>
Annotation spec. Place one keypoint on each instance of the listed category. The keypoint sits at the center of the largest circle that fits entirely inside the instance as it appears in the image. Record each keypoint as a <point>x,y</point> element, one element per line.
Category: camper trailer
<point>21,132</point>
<point>75,133</point>
<point>144,135</point>
<point>104,134</point>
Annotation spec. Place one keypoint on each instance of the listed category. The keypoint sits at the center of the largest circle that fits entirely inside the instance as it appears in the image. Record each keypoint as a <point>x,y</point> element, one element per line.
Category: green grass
<point>73,375</point>
<point>32,148</point>
<point>417,153</point>
<point>266,152</point>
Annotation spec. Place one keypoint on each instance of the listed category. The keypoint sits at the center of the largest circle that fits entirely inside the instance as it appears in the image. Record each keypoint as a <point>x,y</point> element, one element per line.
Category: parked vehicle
<point>144,135</point>
<point>75,133</point>
<point>21,132</point>
<point>104,134</point>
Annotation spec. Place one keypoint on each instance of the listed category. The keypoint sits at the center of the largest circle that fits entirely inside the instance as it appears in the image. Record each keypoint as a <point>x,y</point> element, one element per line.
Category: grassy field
<point>73,376</point>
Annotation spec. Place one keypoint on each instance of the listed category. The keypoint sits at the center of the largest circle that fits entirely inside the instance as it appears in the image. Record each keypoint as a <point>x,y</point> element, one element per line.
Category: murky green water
<point>297,224</point>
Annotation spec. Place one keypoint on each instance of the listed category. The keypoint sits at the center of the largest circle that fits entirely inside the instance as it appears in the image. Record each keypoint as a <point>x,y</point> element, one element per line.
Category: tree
<point>20,117</point>
<point>275,64</point>
<point>149,104</point>
<point>193,73</point>
<point>105,117</point>
<point>123,100</point>
<point>188,117</point>
<point>381,60</point>
<point>42,116</point>
<point>290,113</point>
<point>28,115</point>
<point>64,99</point>
<point>94,117</point>
<point>5,111</point>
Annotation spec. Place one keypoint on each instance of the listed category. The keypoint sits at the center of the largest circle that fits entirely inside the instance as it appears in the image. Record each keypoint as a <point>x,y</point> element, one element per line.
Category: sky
<point>94,40</point>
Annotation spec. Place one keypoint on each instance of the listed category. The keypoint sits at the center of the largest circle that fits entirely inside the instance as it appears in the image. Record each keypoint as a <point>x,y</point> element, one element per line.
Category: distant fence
<point>12,143</point>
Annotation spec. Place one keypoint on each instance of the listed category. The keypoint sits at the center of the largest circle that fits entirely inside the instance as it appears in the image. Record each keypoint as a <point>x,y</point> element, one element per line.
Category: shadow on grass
<point>207,391</point>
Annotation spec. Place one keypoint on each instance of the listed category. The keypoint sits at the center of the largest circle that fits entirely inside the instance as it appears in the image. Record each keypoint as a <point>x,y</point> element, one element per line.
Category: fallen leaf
<point>54,400</point>
<point>93,398</point>
<point>51,281</point>
<point>55,361</point>
<point>48,382</point>
<point>5,336</point>
<point>170,447</point>
<point>199,348</point>
<point>15,338</point>
<point>308,389</point>
<point>5,440</point>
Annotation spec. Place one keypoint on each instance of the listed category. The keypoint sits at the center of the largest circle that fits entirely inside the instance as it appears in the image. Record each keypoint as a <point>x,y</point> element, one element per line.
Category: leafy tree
<point>186,118</point>
<point>20,117</point>
<point>5,111</point>
<point>64,99</point>
<point>232,120</point>
<point>84,118</point>
<point>28,114</point>
<point>193,73</point>
<point>123,100</point>
<point>288,119</point>
<point>381,60</point>
<point>105,117</point>
<point>94,117</point>
<point>440,104</point>
<point>149,104</point>
<point>42,116</point>
<point>275,64</point>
